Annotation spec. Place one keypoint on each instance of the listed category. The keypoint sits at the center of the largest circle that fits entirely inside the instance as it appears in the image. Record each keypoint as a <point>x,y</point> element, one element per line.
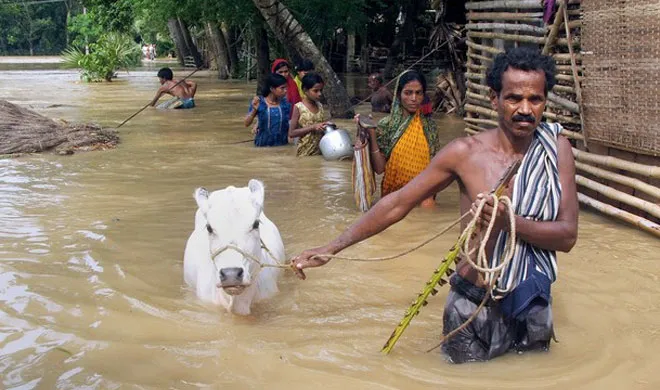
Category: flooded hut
<point>608,68</point>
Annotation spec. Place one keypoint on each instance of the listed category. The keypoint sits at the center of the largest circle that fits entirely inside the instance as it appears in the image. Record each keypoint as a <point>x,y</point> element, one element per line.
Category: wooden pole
<point>517,38</point>
<point>636,184</point>
<point>617,163</point>
<point>578,89</point>
<point>520,4</point>
<point>620,196</point>
<point>554,30</point>
<point>612,211</point>
<point>506,27</point>
<point>519,17</point>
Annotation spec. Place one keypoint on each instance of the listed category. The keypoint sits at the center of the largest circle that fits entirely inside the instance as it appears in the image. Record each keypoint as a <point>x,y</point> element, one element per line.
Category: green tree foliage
<point>112,51</point>
<point>32,28</point>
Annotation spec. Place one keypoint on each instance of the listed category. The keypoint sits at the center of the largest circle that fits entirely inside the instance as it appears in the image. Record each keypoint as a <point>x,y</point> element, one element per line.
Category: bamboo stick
<point>636,184</point>
<point>521,4</point>
<point>476,96</point>
<point>479,87</point>
<point>617,163</point>
<point>481,121</point>
<point>566,57</point>
<point>564,103</point>
<point>577,80</point>
<point>477,67</point>
<point>563,88</point>
<point>566,68</point>
<point>477,76</point>
<point>506,27</point>
<point>479,57</point>
<point>554,30</point>
<point>518,38</point>
<point>563,57</point>
<point>521,17</point>
<point>475,127</point>
<point>612,211</point>
<point>573,24</point>
<point>484,48</point>
<point>620,196</point>
<point>565,77</point>
<point>506,37</point>
<point>572,135</point>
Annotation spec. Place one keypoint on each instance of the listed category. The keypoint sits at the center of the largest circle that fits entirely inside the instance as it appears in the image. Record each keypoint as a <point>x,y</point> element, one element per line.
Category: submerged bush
<point>110,53</point>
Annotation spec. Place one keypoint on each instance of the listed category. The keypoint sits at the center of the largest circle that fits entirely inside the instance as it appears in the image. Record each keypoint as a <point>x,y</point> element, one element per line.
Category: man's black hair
<point>305,66</point>
<point>378,77</point>
<point>523,58</point>
<point>166,73</point>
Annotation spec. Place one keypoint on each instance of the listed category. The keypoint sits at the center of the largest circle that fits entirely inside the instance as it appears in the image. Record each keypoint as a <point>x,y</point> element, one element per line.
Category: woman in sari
<point>281,67</point>
<point>405,141</point>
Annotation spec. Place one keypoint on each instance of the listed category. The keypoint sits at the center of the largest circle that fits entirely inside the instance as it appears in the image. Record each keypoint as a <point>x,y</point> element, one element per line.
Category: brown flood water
<point>91,249</point>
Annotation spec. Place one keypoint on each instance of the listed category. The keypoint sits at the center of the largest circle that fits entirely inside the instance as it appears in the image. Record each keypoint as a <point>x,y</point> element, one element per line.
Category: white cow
<point>232,236</point>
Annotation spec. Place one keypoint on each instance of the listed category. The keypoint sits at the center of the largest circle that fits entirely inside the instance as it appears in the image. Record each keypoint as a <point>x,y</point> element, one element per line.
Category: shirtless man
<point>183,92</point>
<point>545,202</point>
<point>381,99</point>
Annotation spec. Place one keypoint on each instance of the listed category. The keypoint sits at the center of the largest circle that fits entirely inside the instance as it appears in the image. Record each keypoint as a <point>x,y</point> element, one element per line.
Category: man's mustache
<point>523,118</point>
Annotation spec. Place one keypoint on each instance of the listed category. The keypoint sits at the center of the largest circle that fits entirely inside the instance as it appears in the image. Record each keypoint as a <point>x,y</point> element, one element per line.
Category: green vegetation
<point>111,52</point>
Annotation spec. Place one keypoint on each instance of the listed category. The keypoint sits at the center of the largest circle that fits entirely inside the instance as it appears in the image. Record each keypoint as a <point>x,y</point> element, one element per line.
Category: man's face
<point>283,71</point>
<point>302,73</point>
<point>521,102</point>
<point>162,80</point>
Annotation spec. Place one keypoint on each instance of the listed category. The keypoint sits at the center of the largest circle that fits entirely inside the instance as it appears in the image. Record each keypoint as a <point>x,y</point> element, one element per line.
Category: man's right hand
<point>309,258</point>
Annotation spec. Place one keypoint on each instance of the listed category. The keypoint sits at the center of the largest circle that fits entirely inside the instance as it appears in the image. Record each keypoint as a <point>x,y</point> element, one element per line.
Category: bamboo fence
<point>625,190</point>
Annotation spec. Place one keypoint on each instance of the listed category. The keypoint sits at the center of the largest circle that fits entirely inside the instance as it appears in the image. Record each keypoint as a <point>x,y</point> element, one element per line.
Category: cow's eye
<point>209,228</point>
<point>255,225</point>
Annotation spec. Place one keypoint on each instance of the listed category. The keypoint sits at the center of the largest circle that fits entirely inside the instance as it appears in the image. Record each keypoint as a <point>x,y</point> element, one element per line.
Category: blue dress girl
<point>272,111</point>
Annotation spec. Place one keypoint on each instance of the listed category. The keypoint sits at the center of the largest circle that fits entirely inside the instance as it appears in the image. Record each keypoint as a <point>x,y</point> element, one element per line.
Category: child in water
<point>307,118</point>
<point>272,112</point>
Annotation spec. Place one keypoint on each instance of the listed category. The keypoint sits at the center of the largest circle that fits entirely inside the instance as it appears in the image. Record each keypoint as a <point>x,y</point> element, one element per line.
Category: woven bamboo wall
<point>621,184</point>
<point>621,39</point>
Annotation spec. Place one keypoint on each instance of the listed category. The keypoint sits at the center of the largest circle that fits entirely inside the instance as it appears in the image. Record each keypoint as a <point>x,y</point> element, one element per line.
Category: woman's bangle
<point>375,151</point>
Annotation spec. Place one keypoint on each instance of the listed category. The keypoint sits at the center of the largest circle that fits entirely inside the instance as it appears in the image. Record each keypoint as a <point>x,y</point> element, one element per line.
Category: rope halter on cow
<point>248,255</point>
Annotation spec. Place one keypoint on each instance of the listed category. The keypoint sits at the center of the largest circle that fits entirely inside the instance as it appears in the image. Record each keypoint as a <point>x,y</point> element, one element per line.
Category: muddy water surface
<point>91,291</point>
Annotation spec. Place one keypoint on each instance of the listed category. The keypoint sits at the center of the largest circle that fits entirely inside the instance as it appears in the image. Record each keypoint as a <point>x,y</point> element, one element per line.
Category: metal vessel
<point>336,144</point>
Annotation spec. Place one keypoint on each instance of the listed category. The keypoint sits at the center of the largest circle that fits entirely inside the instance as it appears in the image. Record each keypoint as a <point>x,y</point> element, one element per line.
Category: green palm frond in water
<point>443,270</point>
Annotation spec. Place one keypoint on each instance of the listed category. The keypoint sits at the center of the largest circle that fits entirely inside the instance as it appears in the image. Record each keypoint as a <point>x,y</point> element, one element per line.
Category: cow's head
<point>232,224</point>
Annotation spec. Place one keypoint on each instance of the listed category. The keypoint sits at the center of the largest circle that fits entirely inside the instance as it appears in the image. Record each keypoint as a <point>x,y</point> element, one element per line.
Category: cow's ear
<point>201,196</point>
<point>257,189</point>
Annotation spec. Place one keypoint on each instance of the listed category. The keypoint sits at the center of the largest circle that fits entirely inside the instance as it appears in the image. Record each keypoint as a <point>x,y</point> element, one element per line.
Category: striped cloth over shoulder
<point>536,196</point>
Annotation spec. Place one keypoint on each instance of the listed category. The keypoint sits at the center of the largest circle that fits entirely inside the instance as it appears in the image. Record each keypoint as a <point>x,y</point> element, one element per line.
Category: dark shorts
<point>491,334</point>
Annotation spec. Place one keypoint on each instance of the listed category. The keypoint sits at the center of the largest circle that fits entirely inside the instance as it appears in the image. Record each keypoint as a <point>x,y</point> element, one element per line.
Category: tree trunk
<point>231,35</point>
<point>411,11</point>
<point>177,37</point>
<point>263,50</point>
<point>350,52</point>
<point>190,45</point>
<point>287,29</point>
<point>219,49</point>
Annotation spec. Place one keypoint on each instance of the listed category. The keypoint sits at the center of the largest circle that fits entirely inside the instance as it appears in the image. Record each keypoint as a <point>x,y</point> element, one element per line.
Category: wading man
<point>381,97</point>
<point>183,91</point>
<point>544,200</point>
